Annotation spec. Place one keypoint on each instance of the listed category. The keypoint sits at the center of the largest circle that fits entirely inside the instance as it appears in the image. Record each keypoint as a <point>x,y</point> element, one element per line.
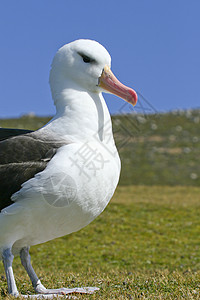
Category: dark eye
<point>86,58</point>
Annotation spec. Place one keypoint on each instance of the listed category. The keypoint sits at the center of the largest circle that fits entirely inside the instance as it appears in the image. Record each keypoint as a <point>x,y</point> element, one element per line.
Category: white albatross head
<point>84,65</point>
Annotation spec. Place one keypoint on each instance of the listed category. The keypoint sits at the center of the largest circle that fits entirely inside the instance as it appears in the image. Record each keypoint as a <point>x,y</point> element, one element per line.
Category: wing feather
<point>21,157</point>
<point>6,133</point>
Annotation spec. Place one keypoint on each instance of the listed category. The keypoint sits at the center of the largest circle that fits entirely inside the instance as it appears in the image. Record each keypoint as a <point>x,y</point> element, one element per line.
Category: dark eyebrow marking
<point>86,58</point>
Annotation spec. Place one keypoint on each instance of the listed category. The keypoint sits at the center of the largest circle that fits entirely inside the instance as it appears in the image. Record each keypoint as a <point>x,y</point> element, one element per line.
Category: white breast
<point>72,191</point>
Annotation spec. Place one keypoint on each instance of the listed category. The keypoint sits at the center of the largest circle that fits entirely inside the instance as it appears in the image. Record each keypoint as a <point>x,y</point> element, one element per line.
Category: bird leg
<point>7,257</point>
<point>26,262</point>
<point>38,286</point>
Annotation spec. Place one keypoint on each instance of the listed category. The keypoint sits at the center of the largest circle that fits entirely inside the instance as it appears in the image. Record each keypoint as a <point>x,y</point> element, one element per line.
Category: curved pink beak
<point>111,84</point>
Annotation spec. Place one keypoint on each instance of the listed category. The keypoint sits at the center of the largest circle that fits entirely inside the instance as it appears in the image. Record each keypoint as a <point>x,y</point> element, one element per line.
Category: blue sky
<point>155,49</point>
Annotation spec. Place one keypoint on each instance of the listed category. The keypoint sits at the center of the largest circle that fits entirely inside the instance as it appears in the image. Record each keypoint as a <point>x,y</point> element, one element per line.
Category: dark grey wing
<point>6,133</point>
<point>21,157</point>
<point>13,175</point>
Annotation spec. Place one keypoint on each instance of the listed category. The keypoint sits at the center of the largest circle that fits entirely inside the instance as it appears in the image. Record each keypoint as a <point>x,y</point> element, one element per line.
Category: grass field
<point>145,245</point>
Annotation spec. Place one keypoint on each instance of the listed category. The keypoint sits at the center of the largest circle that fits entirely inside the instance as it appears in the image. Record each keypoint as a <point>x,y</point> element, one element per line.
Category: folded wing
<point>21,157</point>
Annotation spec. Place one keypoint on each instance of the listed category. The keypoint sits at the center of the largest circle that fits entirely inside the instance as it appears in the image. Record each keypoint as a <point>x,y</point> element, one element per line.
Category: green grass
<point>160,149</point>
<point>144,245</point>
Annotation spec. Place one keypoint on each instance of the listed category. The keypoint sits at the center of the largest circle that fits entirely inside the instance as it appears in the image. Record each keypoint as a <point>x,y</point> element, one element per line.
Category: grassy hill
<point>158,149</point>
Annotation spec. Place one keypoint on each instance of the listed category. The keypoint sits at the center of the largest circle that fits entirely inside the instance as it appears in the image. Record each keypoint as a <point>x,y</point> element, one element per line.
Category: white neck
<point>81,116</point>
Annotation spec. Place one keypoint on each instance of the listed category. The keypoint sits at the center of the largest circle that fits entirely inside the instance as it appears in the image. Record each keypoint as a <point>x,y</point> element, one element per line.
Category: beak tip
<point>133,97</point>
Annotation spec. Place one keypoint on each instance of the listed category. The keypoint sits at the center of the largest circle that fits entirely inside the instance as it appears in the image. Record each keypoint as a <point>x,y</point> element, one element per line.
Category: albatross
<point>59,178</point>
